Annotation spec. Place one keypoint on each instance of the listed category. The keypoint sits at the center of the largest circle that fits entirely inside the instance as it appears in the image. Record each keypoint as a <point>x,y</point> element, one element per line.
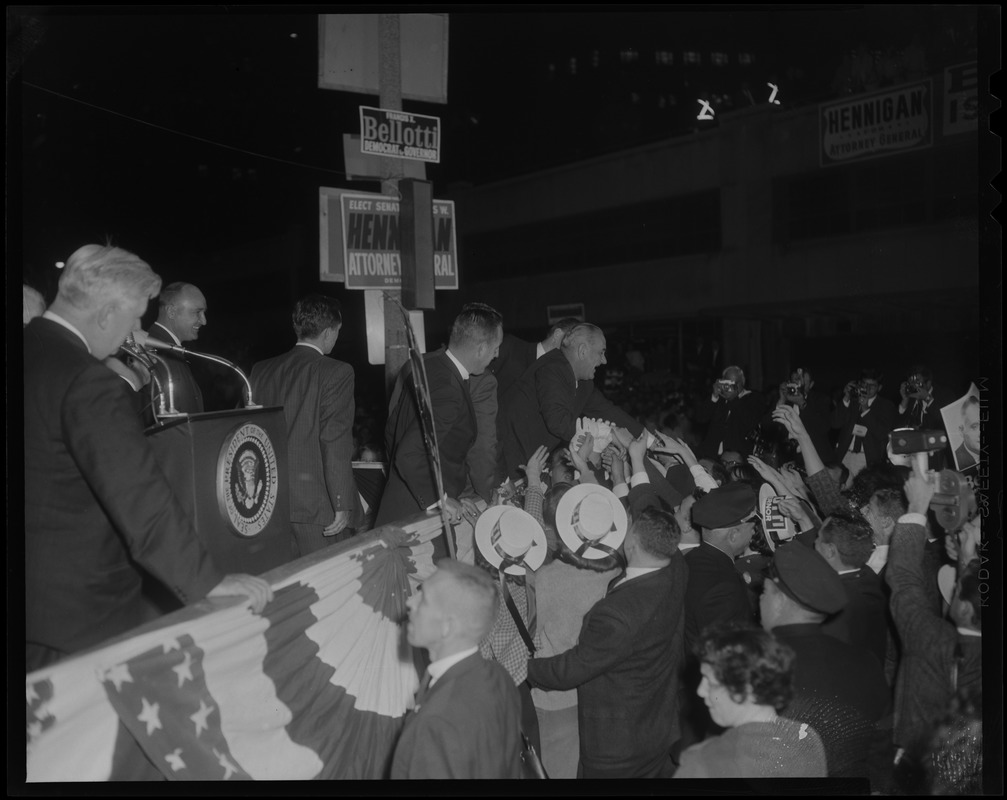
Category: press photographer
<point>864,419</point>
<point>732,412</point>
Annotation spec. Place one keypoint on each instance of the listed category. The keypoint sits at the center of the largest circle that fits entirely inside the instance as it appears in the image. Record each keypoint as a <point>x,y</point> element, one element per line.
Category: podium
<point>229,471</point>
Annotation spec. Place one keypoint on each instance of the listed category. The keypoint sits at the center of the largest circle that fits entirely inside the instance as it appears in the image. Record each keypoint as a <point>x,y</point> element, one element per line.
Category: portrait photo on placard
<point>961,421</point>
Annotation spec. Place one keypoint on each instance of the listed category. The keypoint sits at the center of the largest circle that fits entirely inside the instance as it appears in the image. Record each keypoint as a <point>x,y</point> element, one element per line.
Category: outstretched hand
<point>255,589</point>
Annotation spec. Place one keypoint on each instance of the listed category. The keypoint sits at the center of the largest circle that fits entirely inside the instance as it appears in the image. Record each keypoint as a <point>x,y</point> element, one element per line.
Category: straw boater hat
<point>591,521</point>
<point>507,533</point>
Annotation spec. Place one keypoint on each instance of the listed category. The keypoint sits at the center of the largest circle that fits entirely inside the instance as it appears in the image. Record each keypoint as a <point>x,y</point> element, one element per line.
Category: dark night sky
<point>182,132</point>
<point>194,128</point>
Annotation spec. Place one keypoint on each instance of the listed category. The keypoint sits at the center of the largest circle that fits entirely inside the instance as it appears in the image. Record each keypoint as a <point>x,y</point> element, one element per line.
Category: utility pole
<point>390,93</point>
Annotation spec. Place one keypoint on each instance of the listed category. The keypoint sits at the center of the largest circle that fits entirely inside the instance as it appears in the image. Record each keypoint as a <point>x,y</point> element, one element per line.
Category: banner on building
<point>895,120</point>
<point>371,246</point>
<point>961,99</point>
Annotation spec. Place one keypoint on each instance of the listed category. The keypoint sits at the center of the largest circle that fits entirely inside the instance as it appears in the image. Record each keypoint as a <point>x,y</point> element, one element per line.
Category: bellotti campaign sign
<point>371,245</point>
<point>895,120</point>
<point>399,134</point>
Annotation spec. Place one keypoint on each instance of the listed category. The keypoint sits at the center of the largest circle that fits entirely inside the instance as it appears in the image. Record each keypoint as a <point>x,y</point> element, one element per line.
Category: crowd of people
<point>740,587</point>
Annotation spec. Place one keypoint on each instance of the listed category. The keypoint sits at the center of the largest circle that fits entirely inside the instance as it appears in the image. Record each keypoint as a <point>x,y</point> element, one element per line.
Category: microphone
<point>146,340</point>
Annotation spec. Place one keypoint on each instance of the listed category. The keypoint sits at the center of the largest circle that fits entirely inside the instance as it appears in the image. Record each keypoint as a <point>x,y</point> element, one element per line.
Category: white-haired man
<point>467,716</point>
<point>97,507</point>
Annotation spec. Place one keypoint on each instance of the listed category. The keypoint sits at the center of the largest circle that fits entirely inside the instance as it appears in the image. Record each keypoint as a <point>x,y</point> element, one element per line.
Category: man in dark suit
<point>516,355</point>
<point>97,505</point>
<point>182,313</point>
<point>864,419</point>
<point>839,689</point>
<point>317,398</point>
<point>625,665</point>
<point>846,543</point>
<point>920,404</point>
<point>732,413</point>
<point>542,408</point>
<point>467,719</point>
<point>411,487</point>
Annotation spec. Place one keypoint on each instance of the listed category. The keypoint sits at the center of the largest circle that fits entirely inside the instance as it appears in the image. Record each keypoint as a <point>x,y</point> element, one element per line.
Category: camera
<point>954,500</point>
<point>793,387</point>
<point>862,389</point>
<point>725,383</point>
<point>915,384</point>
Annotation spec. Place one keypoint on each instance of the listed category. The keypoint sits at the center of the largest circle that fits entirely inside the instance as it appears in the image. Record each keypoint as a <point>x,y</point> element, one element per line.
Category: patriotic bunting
<point>315,687</point>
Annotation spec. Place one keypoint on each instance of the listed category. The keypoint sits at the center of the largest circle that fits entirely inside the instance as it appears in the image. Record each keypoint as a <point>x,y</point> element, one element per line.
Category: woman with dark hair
<point>746,683</point>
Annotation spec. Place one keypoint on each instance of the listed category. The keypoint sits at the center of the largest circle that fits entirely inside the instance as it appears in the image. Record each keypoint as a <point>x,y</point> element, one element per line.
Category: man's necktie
<point>424,690</point>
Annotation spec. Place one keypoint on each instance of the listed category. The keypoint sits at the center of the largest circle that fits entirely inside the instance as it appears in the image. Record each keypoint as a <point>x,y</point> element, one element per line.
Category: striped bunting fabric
<point>316,687</point>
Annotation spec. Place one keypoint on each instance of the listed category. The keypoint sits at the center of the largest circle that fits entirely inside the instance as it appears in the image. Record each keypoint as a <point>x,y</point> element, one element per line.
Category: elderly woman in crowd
<point>746,682</point>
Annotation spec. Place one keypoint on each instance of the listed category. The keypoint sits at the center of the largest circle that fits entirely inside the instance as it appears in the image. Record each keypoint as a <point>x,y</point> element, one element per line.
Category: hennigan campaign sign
<point>371,243</point>
<point>399,134</point>
<point>895,120</point>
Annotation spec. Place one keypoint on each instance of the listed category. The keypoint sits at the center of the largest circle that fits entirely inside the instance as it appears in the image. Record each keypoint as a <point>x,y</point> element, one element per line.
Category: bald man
<point>182,313</point>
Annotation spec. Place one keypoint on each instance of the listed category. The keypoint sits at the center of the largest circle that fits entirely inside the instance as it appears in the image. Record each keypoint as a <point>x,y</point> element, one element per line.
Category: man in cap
<point>839,689</point>
<point>181,314</point>
<point>626,662</point>
<point>466,722</point>
<point>717,593</point>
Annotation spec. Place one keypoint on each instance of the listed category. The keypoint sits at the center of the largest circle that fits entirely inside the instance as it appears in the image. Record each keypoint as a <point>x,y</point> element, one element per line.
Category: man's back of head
<point>654,537</point>
<point>476,335</point>
<point>315,314</point>
<point>557,333</point>
<point>182,310</point>
<point>846,541</point>
<point>103,292</point>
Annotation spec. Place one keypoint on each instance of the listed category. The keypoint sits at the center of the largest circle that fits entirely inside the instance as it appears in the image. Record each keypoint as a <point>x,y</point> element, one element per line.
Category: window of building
<point>659,229</point>
<point>890,192</point>
<point>745,59</point>
<point>691,57</point>
<point>718,59</point>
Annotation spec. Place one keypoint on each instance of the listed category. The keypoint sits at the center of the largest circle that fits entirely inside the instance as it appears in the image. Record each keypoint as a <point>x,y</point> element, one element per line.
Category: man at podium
<point>97,507</point>
<point>182,312</point>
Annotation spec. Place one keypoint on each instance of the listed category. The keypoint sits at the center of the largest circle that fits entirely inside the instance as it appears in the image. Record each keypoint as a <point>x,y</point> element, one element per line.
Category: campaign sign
<point>866,126</point>
<point>371,242</point>
<point>398,134</point>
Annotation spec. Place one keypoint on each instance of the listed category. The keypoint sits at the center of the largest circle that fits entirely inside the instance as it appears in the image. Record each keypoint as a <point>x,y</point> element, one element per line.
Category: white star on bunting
<point>151,715</point>
<point>119,674</point>
<point>200,717</point>
<point>174,760</point>
<point>184,670</point>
